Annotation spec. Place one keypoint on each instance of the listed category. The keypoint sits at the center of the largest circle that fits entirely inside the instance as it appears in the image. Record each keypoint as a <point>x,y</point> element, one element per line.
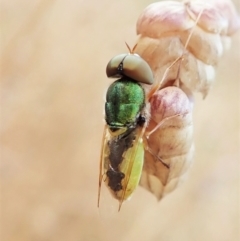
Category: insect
<point>122,154</point>
<point>127,113</point>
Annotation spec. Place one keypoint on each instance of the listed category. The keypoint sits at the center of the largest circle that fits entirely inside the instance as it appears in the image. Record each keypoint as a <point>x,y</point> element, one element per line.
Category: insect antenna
<point>131,51</point>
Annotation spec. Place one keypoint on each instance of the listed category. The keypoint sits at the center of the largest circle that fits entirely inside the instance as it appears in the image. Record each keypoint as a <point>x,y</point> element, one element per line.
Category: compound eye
<point>115,66</point>
<point>132,66</point>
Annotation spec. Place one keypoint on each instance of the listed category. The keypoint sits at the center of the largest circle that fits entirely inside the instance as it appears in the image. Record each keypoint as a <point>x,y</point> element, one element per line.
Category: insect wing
<point>104,161</point>
<point>131,166</point>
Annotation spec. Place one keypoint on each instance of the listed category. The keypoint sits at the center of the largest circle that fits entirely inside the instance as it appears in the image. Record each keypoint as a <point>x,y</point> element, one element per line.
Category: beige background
<point>53,83</point>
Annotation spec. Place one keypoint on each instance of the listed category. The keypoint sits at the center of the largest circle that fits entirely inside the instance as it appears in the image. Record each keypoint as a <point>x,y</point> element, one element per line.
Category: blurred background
<point>53,82</point>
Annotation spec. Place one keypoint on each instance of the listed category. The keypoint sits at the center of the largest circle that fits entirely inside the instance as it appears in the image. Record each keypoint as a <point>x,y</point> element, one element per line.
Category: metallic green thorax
<point>124,102</point>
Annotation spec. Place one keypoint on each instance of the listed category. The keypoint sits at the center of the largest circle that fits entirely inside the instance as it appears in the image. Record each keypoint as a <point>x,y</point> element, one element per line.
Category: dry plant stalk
<point>197,32</point>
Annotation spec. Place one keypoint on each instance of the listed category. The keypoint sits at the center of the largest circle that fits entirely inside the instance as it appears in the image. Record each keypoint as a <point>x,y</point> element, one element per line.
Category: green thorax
<point>124,102</point>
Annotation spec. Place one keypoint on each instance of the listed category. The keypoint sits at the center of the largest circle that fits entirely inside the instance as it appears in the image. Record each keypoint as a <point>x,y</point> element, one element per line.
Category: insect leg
<point>155,88</point>
<point>161,123</point>
<point>148,149</point>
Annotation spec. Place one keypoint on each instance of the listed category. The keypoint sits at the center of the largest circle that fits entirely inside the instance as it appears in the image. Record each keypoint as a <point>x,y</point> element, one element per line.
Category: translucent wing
<point>131,166</point>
